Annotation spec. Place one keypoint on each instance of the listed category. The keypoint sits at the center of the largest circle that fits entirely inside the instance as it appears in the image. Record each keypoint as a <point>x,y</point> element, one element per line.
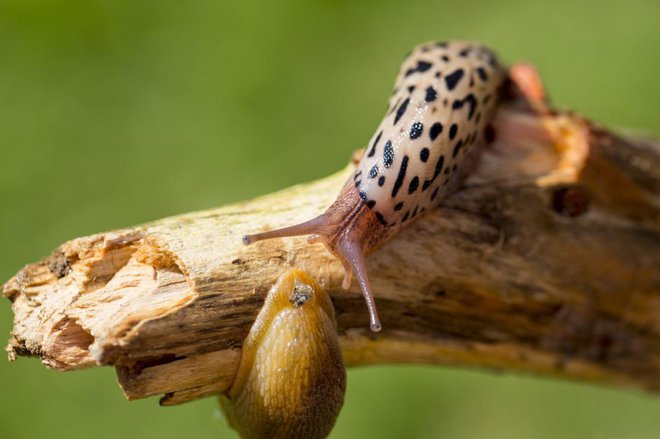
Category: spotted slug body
<point>291,378</point>
<point>444,98</point>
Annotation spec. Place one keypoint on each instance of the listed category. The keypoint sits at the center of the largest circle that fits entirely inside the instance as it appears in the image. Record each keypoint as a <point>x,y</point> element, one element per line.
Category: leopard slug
<point>444,99</point>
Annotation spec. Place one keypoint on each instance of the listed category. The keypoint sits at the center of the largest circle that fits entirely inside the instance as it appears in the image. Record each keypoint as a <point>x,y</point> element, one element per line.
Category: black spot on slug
<point>435,131</point>
<point>373,146</point>
<point>472,102</point>
<point>371,204</point>
<point>453,78</point>
<point>457,148</point>
<point>416,130</point>
<point>431,94</point>
<point>373,172</point>
<point>426,185</point>
<point>423,66</point>
<point>465,52</point>
<point>388,155</point>
<point>381,180</point>
<point>401,110</point>
<point>402,174</point>
<point>453,129</point>
<point>411,89</point>
<point>424,155</point>
<point>414,184</point>
<point>380,218</point>
<point>435,193</point>
<point>398,206</point>
<point>438,166</point>
<point>482,73</point>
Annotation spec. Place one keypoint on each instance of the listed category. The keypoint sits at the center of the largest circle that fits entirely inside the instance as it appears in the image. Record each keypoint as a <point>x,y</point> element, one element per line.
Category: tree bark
<point>546,261</point>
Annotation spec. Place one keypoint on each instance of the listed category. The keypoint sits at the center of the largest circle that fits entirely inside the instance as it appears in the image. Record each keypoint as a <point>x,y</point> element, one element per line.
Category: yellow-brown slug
<point>291,378</point>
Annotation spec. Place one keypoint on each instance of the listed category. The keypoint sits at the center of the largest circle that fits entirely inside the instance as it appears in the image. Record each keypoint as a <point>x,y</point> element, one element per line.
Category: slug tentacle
<point>353,258</point>
<point>314,226</point>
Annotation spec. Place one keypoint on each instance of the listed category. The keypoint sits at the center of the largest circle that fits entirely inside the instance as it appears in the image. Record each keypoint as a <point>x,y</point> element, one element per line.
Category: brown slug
<point>291,378</point>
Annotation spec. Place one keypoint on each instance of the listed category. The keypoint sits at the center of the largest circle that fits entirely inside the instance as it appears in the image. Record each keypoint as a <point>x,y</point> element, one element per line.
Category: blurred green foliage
<point>118,112</point>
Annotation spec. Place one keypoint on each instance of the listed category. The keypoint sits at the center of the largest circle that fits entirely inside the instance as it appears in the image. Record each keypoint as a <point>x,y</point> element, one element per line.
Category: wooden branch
<point>547,261</point>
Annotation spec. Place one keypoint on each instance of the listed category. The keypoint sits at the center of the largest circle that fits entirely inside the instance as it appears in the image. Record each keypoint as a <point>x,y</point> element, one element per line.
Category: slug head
<point>349,230</point>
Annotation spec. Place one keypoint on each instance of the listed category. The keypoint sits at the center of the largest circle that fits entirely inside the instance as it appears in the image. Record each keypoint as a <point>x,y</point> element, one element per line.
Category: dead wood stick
<point>547,261</point>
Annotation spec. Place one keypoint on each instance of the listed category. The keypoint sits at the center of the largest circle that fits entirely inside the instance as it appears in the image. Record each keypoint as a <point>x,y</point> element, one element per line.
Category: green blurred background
<point>114,113</point>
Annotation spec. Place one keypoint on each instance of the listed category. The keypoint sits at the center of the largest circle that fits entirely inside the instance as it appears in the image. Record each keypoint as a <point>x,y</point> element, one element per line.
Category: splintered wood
<point>545,262</point>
